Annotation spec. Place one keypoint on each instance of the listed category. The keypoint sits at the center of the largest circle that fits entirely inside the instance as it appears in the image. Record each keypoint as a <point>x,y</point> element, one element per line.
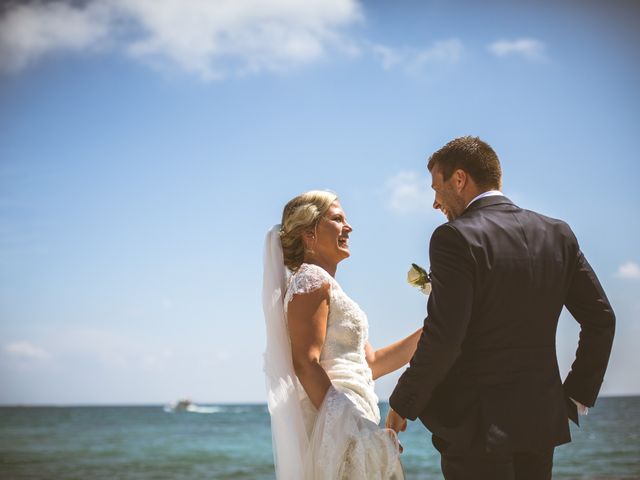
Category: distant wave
<point>212,409</point>
<point>202,409</point>
<point>199,409</point>
<point>192,409</point>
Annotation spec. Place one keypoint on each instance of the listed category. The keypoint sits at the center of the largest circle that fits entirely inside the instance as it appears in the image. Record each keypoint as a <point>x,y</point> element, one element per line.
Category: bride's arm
<point>390,358</point>
<point>307,317</point>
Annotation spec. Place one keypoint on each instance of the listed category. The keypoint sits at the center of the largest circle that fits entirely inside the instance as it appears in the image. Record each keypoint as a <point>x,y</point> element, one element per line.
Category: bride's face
<point>331,242</point>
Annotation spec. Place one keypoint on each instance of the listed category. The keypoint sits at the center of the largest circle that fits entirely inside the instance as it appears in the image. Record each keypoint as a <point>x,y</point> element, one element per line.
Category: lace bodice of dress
<point>345,440</point>
<point>343,352</point>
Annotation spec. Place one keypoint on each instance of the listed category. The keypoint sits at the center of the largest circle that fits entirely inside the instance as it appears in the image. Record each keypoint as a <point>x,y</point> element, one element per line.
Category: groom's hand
<point>395,422</point>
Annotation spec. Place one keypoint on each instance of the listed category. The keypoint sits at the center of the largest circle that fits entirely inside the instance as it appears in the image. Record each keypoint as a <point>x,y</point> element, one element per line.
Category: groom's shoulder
<point>557,222</point>
<point>550,224</point>
<point>481,220</point>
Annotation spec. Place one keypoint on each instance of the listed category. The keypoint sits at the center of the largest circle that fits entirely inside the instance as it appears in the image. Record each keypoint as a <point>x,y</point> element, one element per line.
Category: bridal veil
<point>290,441</point>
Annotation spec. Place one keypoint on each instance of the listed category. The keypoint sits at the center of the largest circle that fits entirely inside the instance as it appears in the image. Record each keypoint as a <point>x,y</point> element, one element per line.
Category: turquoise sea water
<point>234,442</point>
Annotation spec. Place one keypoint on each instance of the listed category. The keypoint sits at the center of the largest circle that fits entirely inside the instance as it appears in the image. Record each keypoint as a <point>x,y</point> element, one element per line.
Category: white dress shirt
<point>488,193</point>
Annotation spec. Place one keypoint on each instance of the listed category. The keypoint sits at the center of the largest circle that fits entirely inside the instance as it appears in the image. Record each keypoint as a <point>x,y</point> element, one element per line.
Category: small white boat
<point>186,405</point>
<point>181,405</point>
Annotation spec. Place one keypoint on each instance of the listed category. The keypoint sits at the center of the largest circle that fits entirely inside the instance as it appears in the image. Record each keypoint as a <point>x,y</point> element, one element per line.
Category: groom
<point>484,378</point>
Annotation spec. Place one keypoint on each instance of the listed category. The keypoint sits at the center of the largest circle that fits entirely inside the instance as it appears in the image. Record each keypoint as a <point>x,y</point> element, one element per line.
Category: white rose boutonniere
<point>419,278</point>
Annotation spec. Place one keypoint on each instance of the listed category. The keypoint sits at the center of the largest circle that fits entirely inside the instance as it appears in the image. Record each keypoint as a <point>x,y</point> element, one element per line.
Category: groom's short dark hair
<point>472,155</point>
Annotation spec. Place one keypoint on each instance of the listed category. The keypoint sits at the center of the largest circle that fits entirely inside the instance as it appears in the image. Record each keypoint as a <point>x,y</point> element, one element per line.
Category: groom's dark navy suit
<point>485,373</point>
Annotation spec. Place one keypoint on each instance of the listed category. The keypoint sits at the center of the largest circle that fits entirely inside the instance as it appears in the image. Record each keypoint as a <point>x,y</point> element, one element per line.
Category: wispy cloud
<point>629,270</point>
<point>409,193</point>
<point>443,51</point>
<point>112,349</point>
<point>528,48</point>
<point>30,31</point>
<point>210,39</point>
<point>25,350</point>
<point>388,56</point>
<point>447,51</point>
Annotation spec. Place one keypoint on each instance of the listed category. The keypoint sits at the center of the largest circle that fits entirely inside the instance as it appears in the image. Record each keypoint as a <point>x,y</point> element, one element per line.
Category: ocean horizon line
<point>201,403</point>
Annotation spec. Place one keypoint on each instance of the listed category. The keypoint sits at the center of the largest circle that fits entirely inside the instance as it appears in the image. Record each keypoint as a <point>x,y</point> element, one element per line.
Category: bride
<point>319,365</point>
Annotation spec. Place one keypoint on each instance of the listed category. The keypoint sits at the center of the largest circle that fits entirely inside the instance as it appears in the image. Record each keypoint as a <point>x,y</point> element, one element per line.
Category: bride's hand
<point>395,422</point>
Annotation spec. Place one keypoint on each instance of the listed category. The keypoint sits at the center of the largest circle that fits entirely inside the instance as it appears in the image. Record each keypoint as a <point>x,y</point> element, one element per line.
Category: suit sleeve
<point>448,314</point>
<point>589,305</point>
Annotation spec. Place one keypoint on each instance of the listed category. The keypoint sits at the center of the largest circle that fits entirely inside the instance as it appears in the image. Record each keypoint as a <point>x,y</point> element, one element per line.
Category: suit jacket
<point>485,370</point>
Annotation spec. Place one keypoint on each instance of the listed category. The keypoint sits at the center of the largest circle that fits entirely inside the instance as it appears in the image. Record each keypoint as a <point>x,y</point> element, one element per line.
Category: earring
<point>309,250</point>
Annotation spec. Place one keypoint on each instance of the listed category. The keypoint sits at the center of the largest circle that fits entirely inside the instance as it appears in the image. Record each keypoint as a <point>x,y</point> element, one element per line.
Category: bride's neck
<point>328,267</point>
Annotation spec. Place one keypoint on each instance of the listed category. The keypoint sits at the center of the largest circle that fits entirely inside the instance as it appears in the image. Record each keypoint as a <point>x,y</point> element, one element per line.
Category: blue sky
<point>146,148</point>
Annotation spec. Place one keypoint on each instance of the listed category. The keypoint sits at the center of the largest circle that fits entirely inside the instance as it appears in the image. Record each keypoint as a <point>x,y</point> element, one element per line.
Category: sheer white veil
<point>290,442</point>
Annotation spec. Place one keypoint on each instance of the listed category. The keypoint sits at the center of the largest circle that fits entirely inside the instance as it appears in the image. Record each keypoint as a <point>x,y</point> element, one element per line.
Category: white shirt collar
<point>488,193</point>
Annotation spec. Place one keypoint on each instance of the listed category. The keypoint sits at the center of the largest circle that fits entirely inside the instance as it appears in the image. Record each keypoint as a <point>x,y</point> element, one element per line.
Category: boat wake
<point>199,409</point>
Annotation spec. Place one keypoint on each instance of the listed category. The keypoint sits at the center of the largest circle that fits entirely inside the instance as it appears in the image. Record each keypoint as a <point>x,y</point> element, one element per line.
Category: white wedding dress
<point>344,439</point>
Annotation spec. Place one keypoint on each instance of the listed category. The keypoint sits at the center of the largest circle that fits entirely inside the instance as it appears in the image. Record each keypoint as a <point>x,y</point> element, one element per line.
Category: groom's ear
<point>460,179</point>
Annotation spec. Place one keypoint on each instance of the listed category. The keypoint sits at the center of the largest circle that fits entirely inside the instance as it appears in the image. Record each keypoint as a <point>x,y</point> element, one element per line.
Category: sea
<point>234,442</point>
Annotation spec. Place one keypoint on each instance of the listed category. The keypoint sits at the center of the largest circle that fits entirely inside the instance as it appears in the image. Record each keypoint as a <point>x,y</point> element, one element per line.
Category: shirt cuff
<point>582,410</point>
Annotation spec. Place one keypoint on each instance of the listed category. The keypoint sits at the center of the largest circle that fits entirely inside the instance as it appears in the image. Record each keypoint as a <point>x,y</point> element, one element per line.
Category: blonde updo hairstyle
<point>300,215</point>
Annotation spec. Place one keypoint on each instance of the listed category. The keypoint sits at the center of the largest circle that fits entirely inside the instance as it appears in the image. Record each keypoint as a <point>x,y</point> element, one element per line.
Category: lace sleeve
<point>307,279</point>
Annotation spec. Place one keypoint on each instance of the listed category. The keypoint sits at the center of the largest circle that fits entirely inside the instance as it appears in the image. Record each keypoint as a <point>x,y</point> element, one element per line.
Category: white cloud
<point>111,349</point>
<point>30,31</point>
<point>25,350</point>
<point>389,57</point>
<point>447,51</point>
<point>629,270</point>
<point>408,193</point>
<point>209,38</point>
<point>114,350</point>
<point>529,48</point>
<point>202,36</point>
<point>412,60</point>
